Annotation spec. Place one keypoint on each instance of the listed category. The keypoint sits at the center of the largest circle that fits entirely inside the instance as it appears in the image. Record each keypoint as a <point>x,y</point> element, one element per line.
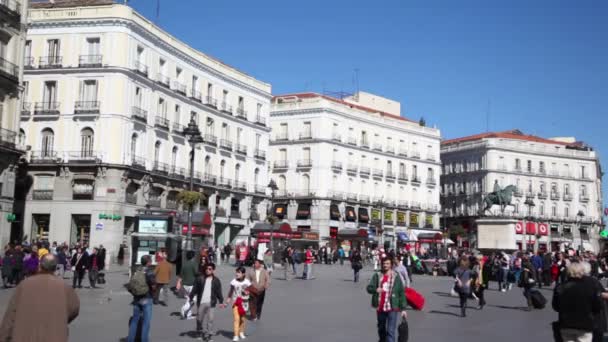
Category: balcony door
<point>49,95</point>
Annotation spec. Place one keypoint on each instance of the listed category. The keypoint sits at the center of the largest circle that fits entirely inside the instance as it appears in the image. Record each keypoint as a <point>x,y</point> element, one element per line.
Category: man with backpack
<point>141,286</point>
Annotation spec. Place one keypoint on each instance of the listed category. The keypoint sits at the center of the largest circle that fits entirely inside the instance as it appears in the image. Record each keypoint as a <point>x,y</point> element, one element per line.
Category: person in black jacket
<point>94,265</point>
<point>208,291</point>
<point>79,266</point>
<point>577,302</point>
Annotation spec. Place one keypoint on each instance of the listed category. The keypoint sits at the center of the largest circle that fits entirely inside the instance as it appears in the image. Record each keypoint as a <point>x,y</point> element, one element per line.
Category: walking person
<point>142,287</point>
<point>463,283</point>
<point>239,296</point>
<point>547,263</point>
<point>260,280</point>
<point>186,280</point>
<point>163,272</point>
<point>7,266</point>
<point>93,266</point>
<point>287,260</point>
<point>356,263</point>
<point>479,280</point>
<point>341,255</point>
<point>402,271</point>
<point>208,291</point>
<point>79,267</point>
<point>41,307</point>
<point>527,280</point>
<point>309,259</point>
<point>388,298</point>
<point>538,264</point>
<point>62,261</point>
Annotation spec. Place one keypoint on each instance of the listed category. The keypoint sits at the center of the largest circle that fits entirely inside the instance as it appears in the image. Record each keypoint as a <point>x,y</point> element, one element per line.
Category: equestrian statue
<point>500,197</point>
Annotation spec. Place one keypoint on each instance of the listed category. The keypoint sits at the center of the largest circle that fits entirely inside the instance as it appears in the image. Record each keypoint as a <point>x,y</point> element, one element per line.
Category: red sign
<point>543,229</point>
<point>531,228</point>
<point>276,235</point>
<point>519,228</point>
<point>196,230</point>
<point>333,232</point>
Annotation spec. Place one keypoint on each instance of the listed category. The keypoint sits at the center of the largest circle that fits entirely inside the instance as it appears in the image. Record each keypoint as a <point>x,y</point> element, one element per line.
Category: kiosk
<point>153,232</point>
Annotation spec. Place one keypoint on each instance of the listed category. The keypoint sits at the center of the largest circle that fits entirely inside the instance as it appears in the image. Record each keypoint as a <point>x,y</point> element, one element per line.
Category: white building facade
<point>108,95</point>
<point>561,177</point>
<point>12,37</point>
<point>347,169</point>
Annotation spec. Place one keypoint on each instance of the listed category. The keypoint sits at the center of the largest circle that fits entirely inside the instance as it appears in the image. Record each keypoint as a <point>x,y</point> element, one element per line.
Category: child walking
<point>239,294</point>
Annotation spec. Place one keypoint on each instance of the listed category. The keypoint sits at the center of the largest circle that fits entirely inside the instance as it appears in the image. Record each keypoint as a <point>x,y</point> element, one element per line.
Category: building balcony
<point>416,181</point>
<point>364,199</point>
<point>26,110</point>
<point>162,123</point>
<point>9,69</point>
<point>281,164</point>
<point>378,173</point>
<point>177,172</point>
<point>172,204</point>
<point>305,135</point>
<point>260,189</point>
<point>154,202</point>
<point>517,169</point>
<point>161,168</point>
<point>390,176</point>
<point>226,108</point>
<point>337,195</point>
<point>542,171</point>
<point>163,80</point>
<point>415,155</point>
<point>196,95</point>
<point>210,139</point>
<point>50,62</point>
<point>259,154</point>
<point>378,147</point>
<point>42,195</point>
<point>44,157</point>
<point>390,149</point>
<point>530,194</point>
<point>402,177</point>
<point>281,137</point>
<point>351,196</point>
<point>209,179</point>
<point>431,182</point>
<point>583,198</point>
<point>238,185</point>
<point>351,168</point>
<point>431,157</point>
<point>241,113</point>
<point>336,165</point>
<point>336,137</point>
<point>402,152</point>
<point>554,196</point>
<point>85,156</point>
<point>364,143</point>
<point>90,61</point>
<point>210,101</point>
<point>7,137</point>
<point>138,162</point>
<point>86,107</point>
<point>226,144</point>
<point>530,170</point>
<point>131,198</point>
<point>12,8</point>
<point>28,63</point>
<point>47,108</point>
<point>180,88</point>
<point>241,149</point>
<point>140,68</point>
<point>543,195</point>
<point>177,128</point>
<point>224,182</point>
<point>364,170</point>
<point>304,163</point>
<point>139,114</point>
<point>260,120</point>
<point>351,141</point>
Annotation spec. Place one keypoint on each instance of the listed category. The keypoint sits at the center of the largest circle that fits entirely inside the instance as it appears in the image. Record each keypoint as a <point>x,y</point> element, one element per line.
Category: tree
<point>190,198</point>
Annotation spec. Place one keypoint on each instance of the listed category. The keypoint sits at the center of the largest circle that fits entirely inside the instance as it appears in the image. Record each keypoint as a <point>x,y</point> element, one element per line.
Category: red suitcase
<point>414,299</point>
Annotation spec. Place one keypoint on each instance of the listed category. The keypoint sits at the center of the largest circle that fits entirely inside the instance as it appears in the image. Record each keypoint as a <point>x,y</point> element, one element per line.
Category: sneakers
<point>242,335</point>
<point>235,338</point>
<point>503,290</point>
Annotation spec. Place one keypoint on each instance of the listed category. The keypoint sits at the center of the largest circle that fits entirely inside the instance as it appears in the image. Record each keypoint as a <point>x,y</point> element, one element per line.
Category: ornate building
<point>558,187</point>
<point>107,97</point>
<point>353,166</point>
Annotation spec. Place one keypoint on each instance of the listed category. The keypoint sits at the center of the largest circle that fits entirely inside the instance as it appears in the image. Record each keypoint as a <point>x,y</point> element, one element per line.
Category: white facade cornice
<point>135,27</point>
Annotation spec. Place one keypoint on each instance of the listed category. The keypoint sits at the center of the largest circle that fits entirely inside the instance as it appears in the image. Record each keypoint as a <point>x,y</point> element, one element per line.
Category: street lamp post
<point>580,216</point>
<point>530,204</point>
<point>272,185</point>
<point>194,137</point>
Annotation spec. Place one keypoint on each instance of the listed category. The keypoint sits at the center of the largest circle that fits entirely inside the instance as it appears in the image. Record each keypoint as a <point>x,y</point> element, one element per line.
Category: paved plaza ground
<point>330,308</point>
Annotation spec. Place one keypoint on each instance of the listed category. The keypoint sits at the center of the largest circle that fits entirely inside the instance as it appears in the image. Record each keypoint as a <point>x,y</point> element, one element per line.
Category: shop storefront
<point>388,230</point>
<point>350,238</point>
<point>303,240</point>
<point>280,232</point>
<point>201,227</point>
<point>350,218</point>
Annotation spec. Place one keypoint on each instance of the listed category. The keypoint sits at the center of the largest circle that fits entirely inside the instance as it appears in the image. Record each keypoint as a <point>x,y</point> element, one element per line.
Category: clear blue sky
<point>540,66</point>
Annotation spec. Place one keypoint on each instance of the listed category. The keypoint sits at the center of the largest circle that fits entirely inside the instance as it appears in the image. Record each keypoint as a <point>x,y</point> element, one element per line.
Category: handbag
<point>404,331</point>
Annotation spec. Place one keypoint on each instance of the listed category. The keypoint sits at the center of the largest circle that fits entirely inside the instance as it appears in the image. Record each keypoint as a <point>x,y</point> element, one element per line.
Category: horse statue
<point>501,198</point>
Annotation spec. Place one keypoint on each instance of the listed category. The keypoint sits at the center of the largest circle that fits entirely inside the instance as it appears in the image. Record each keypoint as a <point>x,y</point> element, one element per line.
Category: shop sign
<point>152,226</point>
<point>400,218</point>
<point>310,236</point>
<point>554,227</point>
<point>388,216</point>
<point>99,226</point>
<point>376,215</point>
<point>112,217</point>
<point>414,219</point>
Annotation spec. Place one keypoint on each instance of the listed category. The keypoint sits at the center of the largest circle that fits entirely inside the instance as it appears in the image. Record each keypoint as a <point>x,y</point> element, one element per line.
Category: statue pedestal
<point>496,234</point>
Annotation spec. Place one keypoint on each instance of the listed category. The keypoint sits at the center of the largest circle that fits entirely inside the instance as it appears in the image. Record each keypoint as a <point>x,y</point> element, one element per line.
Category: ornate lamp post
<point>194,137</point>
<point>530,204</point>
<point>580,216</point>
<point>272,187</point>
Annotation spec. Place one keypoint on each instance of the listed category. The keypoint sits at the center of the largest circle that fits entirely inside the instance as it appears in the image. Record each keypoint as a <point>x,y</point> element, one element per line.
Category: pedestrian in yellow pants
<point>239,322</point>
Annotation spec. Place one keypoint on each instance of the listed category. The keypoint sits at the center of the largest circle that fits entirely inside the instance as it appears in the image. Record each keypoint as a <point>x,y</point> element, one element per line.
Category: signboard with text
<point>413,219</point>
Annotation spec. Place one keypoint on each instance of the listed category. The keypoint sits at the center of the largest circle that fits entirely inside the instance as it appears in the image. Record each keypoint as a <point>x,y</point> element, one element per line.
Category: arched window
<point>174,157</point>
<point>237,172</point>
<point>222,168</point>
<point>567,211</point>
<point>306,183</point>
<point>157,153</point>
<point>282,184</point>
<point>48,138</point>
<point>21,141</point>
<point>133,145</point>
<point>208,169</point>
<point>86,142</point>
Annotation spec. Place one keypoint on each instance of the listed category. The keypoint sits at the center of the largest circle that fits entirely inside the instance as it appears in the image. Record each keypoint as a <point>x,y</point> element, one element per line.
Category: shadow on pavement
<point>520,308</point>
<point>444,313</point>
<point>443,294</point>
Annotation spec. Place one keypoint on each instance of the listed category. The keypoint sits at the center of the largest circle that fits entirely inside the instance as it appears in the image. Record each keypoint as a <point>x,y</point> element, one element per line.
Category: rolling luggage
<point>414,299</point>
<point>538,300</point>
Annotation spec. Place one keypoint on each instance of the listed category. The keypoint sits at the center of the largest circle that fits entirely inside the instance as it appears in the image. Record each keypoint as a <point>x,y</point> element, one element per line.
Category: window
<point>162,65</point>
<point>566,189</point>
<point>176,114</point>
<point>28,51</point>
<point>542,187</point>
<point>178,74</point>
<point>553,188</point>
<point>256,176</point>
<point>93,47</point>
<point>431,174</point>
<point>283,154</point>
<point>210,90</point>
<point>208,169</point>
<point>88,91</point>
<point>86,142</point>
<point>162,108</point>
<point>541,167</point>
<point>222,168</point>
<point>239,135</point>
<point>306,183</point>
<point>306,154</point>
<point>583,190</point>
<point>53,49</point>
<point>21,140</point>
<point>258,141</point>
<point>237,172</point>
<point>529,166</point>
<point>583,173</point>
<point>157,152</point>
<point>401,169</point>
<point>258,111</point>
<point>414,172</point>
<point>48,137</point>
<point>138,97</point>
<point>530,187</point>
<point>307,130</point>
<point>554,210</point>
<point>389,167</point>
<point>225,98</point>
<point>210,129</point>
<point>567,211</point>
<point>174,157</point>
<point>194,116</point>
<point>517,164</point>
<point>194,85</point>
<point>241,103</point>
<point>282,184</point>
<point>225,131</point>
<point>44,182</point>
<point>541,209</point>
<point>140,54</point>
<point>364,138</point>
<point>133,145</point>
<point>50,94</point>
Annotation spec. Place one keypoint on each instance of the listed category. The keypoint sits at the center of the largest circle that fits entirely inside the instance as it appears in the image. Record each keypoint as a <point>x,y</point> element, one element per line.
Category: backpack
<point>138,286</point>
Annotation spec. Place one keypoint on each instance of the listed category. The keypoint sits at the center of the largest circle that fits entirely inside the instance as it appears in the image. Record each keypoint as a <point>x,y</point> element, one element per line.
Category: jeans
<point>186,310</point>
<point>307,272</point>
<point>341,261</point>
<point>387,325</point>
<point>78,275</point>
<point>93,277</point>
<point>286,270</point>
<point>356,270</point>
<point>164,288</point>
<point>204,319</point>
<point>141,310</point>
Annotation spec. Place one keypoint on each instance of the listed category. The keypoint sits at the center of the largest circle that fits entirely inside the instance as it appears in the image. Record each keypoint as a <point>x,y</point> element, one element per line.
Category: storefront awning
<point>199,218</point>
<point>303,212</point>
<point>430,237</point>
<point>280,210</point>
<point>281,227</point>
<point>349,233</point>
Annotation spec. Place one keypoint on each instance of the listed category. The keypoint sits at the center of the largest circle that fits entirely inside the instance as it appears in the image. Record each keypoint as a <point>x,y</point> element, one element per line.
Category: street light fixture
<point>580,216</point>
<point>530,204</point>
<point>272,186</point>
<point>194,137</point>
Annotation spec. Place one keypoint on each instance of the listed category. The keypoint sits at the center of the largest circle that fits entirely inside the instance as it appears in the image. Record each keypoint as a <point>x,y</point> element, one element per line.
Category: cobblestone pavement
<point>329,308</point>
